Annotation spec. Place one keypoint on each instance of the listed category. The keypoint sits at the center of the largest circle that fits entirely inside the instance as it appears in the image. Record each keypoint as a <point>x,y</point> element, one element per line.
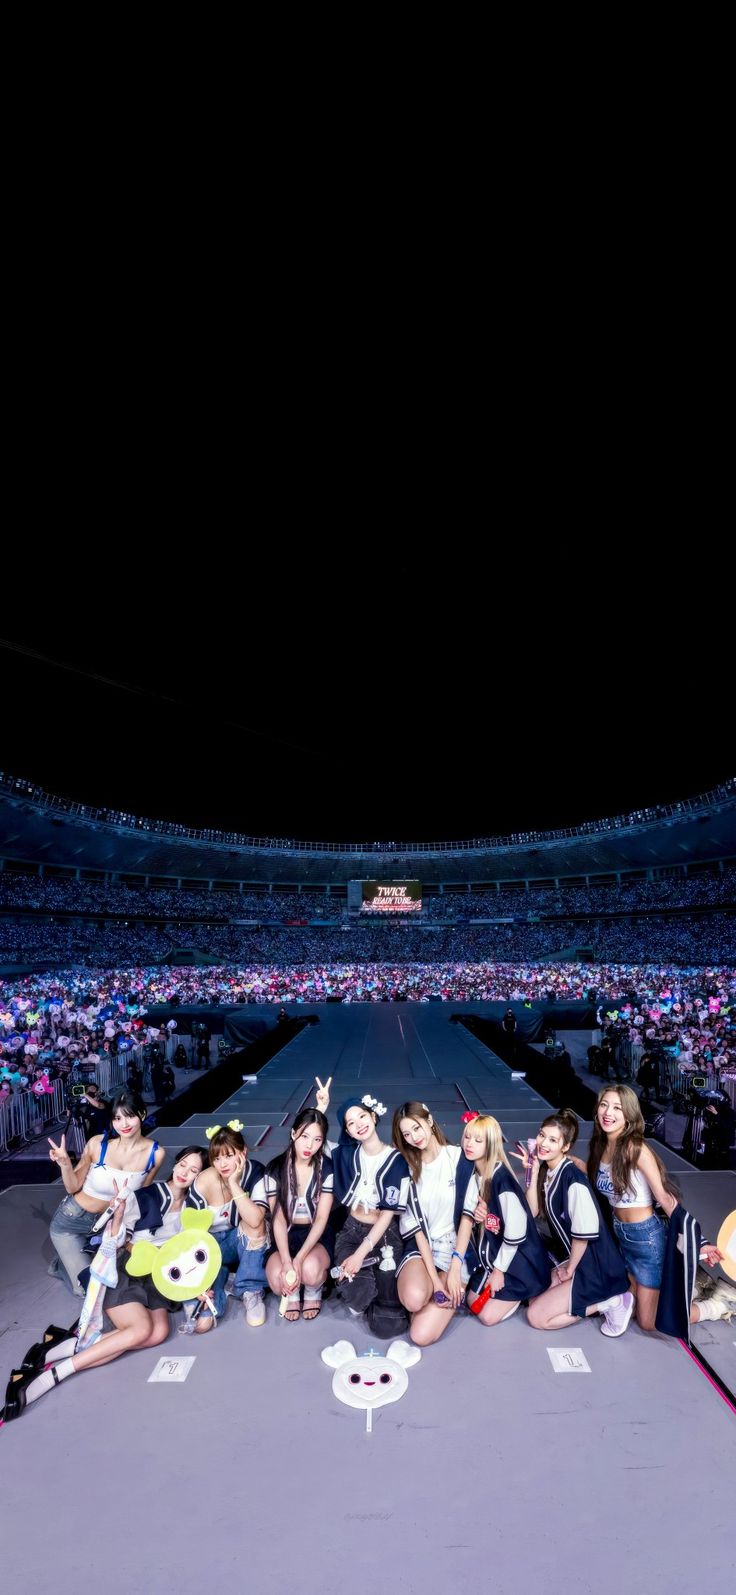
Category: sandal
<point>290,1309</point>
<point>312,1302</point>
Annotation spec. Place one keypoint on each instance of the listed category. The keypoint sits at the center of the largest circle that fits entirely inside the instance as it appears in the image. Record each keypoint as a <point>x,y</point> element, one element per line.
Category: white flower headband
<point>374,1105</point>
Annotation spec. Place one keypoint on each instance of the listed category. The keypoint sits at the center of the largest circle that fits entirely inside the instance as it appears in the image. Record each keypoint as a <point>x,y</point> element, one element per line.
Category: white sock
<point>46,1381</point>
<point>65,1349</point>
<point>612,1301</point>
<point>312,1293</point>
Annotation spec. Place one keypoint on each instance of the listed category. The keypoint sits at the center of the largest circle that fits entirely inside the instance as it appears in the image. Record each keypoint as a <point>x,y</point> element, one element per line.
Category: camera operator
<point>95,1110</point>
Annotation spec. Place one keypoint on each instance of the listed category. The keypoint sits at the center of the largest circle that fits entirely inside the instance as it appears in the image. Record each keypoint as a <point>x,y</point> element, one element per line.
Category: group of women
<point>410,1231</point>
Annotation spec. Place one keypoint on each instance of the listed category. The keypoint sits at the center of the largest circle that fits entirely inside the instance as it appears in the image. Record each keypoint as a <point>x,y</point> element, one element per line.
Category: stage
<point>492,1470</point>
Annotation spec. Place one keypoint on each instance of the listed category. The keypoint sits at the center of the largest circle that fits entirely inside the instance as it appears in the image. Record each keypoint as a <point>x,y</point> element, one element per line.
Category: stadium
<point>509,978</point>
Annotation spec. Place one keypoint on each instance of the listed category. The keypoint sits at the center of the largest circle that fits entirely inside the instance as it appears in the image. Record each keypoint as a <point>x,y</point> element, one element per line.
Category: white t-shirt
<point>436,1191</point>
<point>366,1195</point>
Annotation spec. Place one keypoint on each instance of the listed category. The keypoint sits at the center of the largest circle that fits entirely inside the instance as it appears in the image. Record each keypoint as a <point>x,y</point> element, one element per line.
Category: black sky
<point>332,729</point>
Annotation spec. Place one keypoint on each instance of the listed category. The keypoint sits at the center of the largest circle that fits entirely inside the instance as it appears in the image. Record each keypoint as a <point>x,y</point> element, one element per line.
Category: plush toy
<point>186,1265</point>
<point>371,1379</point>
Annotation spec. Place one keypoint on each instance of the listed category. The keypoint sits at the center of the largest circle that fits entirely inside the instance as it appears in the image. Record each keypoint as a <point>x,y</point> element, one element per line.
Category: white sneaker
<point>255,1308</point>
<point>616,1319</point>
<point>723,1298</point>
<point>712,1309</point>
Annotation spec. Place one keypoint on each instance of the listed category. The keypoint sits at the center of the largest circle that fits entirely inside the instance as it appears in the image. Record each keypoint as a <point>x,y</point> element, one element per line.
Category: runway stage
<point>493,1471</point>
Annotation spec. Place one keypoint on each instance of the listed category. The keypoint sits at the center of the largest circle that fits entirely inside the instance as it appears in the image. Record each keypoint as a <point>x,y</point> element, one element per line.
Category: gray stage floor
<point>491,1470</point>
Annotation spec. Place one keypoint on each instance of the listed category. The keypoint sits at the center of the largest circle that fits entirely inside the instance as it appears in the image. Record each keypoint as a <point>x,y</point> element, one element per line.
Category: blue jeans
<point>70,1230</point>
<point>643,1247</point>
<point>250,1270</point>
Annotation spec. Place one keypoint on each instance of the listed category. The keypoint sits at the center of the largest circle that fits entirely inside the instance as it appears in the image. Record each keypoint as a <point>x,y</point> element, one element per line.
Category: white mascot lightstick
<point>371,1379</point>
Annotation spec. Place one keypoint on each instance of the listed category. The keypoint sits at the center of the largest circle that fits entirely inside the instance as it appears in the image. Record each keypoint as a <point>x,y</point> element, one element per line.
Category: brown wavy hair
<point>414,1110</point>
<point>226,1140</point>
<point>626,1147</point>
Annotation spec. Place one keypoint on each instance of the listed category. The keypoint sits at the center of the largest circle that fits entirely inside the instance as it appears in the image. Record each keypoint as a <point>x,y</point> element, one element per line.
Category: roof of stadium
<point>39,827</point>
<point>282,727</point>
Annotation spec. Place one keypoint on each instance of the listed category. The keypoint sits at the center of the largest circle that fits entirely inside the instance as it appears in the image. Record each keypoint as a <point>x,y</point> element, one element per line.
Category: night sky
<point>330,729</point>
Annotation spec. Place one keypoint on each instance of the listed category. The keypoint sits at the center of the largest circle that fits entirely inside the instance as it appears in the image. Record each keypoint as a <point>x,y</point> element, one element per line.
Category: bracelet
<point>461,1256</point>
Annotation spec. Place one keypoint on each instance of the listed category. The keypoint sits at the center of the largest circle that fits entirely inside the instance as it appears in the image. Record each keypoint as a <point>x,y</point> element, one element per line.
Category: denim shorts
<point>642,1247</point>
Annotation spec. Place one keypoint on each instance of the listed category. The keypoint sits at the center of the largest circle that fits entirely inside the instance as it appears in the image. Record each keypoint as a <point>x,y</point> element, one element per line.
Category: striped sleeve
<point>259,1192</point>
<point>412,1219</point>
<point>584,1219</point>
<point>472,1195</point>
<point>514,1229</point>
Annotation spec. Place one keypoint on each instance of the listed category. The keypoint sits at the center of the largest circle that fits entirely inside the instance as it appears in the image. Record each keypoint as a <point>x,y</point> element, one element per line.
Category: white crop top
<point>366,1194</point>
<point>99,1182</point>
<point>220,1216</point>
<point>638,1194</point>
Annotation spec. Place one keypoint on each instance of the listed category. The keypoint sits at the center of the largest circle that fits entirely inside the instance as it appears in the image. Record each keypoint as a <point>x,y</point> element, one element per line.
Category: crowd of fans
<point>53,1023</point>
<point>683,939</point>
<point>54,894</point>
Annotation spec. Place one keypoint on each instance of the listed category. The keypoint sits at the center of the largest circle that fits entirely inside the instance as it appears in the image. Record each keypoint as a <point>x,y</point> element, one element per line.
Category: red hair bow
<point>468,1117</point>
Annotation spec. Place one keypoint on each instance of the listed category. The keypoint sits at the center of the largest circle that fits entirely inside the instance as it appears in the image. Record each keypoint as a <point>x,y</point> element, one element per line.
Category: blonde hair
<point>494,1154</point>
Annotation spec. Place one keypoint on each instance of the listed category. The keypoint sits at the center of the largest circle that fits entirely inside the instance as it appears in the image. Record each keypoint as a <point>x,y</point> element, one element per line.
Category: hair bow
<point>374,1105</point>
<point>212,1130</point>
<point>467,1118</point>
<point>234,1124</point>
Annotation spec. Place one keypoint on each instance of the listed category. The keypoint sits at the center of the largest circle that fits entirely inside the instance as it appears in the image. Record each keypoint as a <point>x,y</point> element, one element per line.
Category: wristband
<point>460,1257</point>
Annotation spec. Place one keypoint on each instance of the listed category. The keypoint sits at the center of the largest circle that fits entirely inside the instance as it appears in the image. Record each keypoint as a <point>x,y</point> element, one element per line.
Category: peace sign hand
<point>58,1154</point>
<point>323,1093</point>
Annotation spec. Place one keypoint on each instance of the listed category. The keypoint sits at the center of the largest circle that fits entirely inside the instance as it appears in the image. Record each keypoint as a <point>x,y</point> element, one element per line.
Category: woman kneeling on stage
<point>504,1253</point>
<point>592,1277</point>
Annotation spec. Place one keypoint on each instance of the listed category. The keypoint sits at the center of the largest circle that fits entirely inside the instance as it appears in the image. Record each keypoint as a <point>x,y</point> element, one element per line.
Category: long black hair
<point>283,1168</point>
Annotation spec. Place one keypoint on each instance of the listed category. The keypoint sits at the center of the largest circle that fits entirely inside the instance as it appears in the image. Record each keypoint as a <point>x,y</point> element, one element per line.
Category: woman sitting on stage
<point>233,1189</point>
<point>371,1181</point>
<point>505,1255</point>
<point>139,1313</point>
<point>126,1163</point>
<point>440,1175</point>
<point>299,1190</point>
<point>591,1278</point>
